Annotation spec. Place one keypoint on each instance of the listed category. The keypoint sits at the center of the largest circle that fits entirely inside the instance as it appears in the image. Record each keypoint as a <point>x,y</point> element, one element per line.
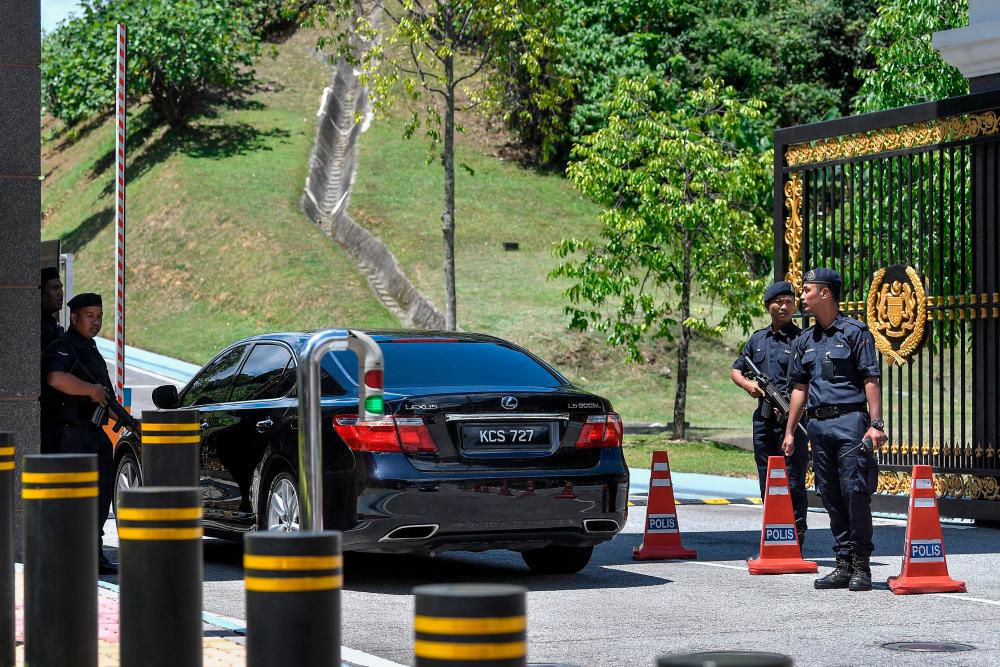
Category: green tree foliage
<point>178,49</point>
<point>684,209</point>
<point>906,68</point>
<point>798,57</point>
<point>447,57</point>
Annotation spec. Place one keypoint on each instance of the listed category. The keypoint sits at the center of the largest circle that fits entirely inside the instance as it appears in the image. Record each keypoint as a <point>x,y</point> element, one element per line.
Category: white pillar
<point>975,49</point>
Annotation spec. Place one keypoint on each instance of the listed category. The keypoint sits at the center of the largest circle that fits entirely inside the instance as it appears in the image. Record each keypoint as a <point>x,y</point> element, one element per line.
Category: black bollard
<point>171,442</point>
<point>7,549</point>
<point>160,568</point>
<point>60,559</point>
<point>470,624</point>
<point>293,583</point>
<point>725,659</point>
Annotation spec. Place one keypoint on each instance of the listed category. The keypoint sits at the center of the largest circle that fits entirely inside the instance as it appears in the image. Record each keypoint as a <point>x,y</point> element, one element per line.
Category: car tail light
<point>414,436</point>
<point>601,431</point>
<point>408,434</point>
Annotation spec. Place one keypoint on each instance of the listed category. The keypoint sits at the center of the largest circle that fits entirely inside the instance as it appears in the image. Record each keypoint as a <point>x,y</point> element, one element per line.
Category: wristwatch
<point>878,424</point>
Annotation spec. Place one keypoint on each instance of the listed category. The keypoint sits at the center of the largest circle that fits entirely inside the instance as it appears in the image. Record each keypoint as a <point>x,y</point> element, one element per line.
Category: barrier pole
<point>60,559</point>
<point>7,464</point>
<point>160,575</point>
<point>293,583</point>
<point>171,447</point>
<point>120,92</point>
<point>470,624</point>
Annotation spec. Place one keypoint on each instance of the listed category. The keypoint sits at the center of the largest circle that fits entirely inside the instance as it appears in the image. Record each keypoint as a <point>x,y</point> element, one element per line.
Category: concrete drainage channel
<point>929,647</point>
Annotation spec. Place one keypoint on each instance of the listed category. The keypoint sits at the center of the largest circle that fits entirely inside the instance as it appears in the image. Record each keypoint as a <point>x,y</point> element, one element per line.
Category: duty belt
<point>831,411</point>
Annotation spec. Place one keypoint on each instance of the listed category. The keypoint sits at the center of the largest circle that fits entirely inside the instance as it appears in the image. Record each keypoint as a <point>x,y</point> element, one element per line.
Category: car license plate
<point>495,437</point>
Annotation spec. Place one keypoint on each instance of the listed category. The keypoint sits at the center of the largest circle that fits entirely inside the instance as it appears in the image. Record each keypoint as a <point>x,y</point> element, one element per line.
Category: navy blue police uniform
<point>834,362</point>
<point>771,352</point>
<point>68,418</point>
<point>50,332</point>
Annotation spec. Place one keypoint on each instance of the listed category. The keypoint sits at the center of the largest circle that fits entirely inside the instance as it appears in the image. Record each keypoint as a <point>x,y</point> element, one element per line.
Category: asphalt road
<point>620,612</point>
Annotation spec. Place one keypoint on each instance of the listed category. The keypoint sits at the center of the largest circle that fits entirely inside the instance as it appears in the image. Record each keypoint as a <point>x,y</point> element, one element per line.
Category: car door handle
<point>204,426</point>
<point>264,425</point>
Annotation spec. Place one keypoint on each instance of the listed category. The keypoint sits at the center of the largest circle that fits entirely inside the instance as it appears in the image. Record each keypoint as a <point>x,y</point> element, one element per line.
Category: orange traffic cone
<point>663,536</point>
<point>924,567</point>
<point>779,538</point>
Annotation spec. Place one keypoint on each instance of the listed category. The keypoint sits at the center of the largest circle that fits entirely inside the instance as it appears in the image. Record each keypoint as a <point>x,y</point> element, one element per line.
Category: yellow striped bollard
<point>60,559</point>
<point>160,568</point>
<point>7,549</point>
<point>171,443</point>
<point>293,583</point>
<point>470,624</point>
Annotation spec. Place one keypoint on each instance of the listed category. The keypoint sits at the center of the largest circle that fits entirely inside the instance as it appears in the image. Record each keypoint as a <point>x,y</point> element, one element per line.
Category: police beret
<point>49,273</point>
<point>827,276</point>
<point>776,289</point>
<point>83,300</point>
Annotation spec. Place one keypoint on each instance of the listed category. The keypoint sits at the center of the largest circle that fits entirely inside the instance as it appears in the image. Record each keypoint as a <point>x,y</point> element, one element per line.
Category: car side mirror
<point>165,397</point>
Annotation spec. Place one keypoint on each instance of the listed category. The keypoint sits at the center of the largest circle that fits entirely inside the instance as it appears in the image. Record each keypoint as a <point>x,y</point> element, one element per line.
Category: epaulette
<point>857,323</point>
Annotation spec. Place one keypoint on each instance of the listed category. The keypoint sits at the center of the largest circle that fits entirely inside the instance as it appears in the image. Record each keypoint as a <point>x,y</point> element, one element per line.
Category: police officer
<point>836,367</point>
<point>52,302</point>
<point>78,374</point>
<point>770,350</point>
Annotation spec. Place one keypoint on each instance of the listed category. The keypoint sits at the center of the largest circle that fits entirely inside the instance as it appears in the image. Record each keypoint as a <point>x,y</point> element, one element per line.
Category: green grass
<point>218,248</point>
<point>709,458</point>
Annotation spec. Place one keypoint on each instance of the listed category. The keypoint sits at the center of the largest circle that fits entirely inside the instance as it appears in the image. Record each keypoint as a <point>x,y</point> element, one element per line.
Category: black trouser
<point>768,435</point>
<point>846,478</point>
<point>93,440</point>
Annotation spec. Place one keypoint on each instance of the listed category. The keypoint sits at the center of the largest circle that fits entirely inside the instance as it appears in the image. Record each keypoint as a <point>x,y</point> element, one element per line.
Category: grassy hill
<point>218,248</point>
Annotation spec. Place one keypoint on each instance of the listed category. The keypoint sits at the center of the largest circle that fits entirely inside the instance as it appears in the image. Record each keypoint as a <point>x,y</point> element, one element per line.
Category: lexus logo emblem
<point>508,402</point>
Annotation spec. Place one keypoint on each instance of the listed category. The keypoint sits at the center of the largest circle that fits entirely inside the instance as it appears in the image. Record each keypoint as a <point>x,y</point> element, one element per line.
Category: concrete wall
<point>20,220</point>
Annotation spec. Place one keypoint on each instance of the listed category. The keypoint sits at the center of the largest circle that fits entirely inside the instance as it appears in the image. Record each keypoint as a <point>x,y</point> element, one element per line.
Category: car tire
<point>128,475</point>
<point>557,559</point>
<point>280,504</point>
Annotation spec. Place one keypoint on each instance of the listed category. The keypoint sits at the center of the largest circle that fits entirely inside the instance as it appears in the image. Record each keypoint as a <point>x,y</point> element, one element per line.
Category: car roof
<point>297,339</point>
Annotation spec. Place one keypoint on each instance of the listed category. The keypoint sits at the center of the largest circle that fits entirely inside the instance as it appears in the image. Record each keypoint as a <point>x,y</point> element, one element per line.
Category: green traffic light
<point>375,405</point>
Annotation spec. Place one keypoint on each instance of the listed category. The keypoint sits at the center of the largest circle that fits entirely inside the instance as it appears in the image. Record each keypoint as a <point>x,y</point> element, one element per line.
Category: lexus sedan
<point>483,446</point>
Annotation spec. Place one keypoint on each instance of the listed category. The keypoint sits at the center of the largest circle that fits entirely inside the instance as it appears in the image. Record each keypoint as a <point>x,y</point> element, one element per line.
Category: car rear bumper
<point>402,510</point>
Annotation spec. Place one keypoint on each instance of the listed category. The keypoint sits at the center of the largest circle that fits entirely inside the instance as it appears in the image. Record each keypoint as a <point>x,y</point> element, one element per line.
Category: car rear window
<point>454,364</point>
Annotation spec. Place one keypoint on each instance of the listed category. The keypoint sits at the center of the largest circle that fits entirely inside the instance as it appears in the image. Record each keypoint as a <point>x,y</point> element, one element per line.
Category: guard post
<point>7,465</point>
<point>60,559</point>
<point>160,570</point>
<point>470,624</point>
<point>171,447</point>
<point>293,583</point>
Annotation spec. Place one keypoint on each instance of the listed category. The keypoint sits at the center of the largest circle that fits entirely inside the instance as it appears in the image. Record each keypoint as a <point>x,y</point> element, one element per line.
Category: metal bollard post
<point>470,624</point>
<point>60,559</point>
<point>293,583</point>
<point>160,565</point>
<point>725,659</point>
<point>7,550</point>
<point>170,448</point>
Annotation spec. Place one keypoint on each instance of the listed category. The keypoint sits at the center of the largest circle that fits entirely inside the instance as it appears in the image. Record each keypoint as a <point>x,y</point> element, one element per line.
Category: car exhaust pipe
<point>600,525</point>
<point>417,532</point>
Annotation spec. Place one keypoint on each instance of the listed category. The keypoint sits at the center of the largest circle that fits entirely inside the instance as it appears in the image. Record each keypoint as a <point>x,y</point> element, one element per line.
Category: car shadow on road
<point>382,573</point>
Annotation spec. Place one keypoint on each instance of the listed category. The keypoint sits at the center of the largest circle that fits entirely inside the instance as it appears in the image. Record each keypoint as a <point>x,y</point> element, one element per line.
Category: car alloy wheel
<point>283,504</point>
<point>128,477</point>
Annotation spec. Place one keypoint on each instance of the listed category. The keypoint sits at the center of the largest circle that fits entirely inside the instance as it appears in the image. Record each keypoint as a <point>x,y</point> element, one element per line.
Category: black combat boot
<point>839,578</point>
<point>861,574</point>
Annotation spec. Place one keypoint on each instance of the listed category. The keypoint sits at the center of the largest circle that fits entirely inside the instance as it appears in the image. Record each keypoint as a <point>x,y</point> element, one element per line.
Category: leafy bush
<point>178,50</point>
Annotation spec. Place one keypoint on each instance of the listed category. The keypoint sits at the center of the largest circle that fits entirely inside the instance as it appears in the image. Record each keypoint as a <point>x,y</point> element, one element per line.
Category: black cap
<point>777,289</point>
<point>83,300</point>
<point>822,275</point>
<point>49,273</point>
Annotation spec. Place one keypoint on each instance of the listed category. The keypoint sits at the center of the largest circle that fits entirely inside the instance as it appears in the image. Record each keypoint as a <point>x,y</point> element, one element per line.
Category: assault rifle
<point>773,396</point>
<point>120,414</point>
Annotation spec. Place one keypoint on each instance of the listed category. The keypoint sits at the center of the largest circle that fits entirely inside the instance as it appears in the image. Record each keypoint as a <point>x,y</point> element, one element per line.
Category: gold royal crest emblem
<point>897,310</point>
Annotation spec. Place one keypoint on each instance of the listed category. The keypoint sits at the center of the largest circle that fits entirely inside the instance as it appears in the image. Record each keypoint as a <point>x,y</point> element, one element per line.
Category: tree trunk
<point>683,343</point>
<point>448,216</point>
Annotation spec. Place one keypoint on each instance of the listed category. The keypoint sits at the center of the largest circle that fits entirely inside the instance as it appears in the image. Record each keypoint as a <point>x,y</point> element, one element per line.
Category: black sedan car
<point>483,446</point>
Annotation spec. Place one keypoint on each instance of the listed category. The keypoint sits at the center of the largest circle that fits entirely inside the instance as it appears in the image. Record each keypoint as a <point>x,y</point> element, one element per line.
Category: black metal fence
<point>905,204</point>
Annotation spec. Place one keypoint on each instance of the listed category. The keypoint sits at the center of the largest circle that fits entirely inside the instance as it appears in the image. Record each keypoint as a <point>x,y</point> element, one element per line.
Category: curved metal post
<point>310,424</point>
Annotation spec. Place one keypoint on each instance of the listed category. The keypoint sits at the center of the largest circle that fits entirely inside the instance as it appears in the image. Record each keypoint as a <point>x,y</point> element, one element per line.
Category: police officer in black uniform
<point>52,301</point>
<point>836,366</point>
<point>770,350</point>
<point>78,376</point>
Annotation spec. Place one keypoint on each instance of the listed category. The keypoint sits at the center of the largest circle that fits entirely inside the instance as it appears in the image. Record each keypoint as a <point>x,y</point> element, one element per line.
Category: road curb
<point>145,360</point>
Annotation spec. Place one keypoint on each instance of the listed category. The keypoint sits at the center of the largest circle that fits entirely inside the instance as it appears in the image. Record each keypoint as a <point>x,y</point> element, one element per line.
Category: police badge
<point>897,311</point>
